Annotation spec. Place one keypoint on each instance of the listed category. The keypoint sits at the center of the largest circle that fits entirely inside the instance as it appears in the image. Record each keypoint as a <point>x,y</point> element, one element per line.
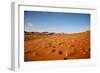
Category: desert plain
<point>44,46</point>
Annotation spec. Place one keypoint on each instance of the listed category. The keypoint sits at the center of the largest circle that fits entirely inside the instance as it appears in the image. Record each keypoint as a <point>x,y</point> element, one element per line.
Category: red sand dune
<point>45,46</point>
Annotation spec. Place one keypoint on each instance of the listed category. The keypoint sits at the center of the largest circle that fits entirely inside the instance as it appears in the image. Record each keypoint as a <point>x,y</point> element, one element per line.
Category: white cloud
<point>39,28</point>
<point>28,27</point>
<point>34,27</point>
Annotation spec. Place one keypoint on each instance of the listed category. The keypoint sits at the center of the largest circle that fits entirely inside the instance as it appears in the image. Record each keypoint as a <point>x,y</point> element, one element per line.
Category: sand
<point>57,47</point>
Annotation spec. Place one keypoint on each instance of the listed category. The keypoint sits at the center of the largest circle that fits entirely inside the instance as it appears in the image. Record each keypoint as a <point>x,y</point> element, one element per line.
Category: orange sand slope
<point>52,46</point>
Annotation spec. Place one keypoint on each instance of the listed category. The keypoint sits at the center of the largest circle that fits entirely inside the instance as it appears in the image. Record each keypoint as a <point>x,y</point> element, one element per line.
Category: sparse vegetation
<point>55,46</point>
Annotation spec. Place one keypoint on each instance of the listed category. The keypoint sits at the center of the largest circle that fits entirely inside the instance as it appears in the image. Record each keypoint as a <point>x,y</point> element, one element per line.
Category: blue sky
<point>35,21</point>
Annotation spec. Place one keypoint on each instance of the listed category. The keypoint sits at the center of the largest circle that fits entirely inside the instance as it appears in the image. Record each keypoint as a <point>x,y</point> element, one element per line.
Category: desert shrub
<point>31,37</point>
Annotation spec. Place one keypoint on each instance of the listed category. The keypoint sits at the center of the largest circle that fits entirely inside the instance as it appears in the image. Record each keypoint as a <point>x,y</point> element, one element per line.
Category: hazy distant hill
<point>42,33</point>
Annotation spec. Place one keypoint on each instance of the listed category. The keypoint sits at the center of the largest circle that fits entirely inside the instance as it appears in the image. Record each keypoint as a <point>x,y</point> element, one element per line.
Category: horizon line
<point>57,32</point>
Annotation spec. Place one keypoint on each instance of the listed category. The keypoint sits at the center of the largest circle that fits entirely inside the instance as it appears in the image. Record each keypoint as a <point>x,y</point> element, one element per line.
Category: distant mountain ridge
<point>42,33</point>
